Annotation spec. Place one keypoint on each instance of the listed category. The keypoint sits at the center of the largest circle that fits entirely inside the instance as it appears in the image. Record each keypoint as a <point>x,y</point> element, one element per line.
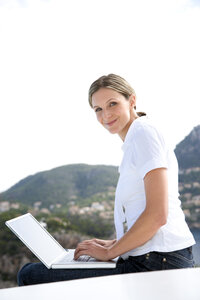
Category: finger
<point>80,247</point>
<point>86,242</point>
<point>81,252</point>
<point>99,242</point>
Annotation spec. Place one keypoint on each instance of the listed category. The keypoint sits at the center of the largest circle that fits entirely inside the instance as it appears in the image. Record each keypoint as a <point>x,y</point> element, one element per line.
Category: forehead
<point>105,94</point>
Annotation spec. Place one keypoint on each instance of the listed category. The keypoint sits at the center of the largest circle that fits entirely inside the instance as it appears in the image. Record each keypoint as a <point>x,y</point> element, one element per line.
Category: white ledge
<point>182,284</point>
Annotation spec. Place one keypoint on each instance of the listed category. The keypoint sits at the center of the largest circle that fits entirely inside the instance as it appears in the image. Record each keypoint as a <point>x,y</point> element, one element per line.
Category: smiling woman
<point>146,198</point>
<point>106,97</point>
<point>113,111</point>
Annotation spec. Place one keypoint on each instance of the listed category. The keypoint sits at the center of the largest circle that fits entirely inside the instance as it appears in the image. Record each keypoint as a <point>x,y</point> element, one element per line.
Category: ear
<point>132,101</point>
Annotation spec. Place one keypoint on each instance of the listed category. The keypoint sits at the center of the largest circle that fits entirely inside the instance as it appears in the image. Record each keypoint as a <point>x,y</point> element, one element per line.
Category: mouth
<point>110,123</point>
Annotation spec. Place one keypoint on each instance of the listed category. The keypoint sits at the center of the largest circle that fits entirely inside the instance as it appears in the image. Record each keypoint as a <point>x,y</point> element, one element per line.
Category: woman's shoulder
<point>144,124</point>
<point>145,129</point>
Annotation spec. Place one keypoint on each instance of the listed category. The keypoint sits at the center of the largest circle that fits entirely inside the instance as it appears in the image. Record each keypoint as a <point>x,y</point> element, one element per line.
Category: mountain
<point>188,155</point>
<point>62,184</point>
<point>82,184</point>
<point>188,151</point>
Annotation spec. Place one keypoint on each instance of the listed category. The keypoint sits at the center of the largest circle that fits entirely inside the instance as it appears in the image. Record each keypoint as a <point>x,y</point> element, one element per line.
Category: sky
<point>52,50</point>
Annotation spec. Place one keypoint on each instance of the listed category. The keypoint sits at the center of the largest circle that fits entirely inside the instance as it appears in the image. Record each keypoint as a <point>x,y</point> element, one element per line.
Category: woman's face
<point>114,111</point>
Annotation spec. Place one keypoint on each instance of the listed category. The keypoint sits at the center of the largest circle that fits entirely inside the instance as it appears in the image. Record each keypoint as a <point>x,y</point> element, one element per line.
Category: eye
<point>113,103</point>
<point>98,109</point>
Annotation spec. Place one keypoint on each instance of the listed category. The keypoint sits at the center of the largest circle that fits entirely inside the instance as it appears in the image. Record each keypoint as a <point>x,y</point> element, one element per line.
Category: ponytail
<point>141,114</point>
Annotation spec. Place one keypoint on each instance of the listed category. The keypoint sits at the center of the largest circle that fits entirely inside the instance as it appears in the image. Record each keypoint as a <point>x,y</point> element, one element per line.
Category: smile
<point>110,123</point>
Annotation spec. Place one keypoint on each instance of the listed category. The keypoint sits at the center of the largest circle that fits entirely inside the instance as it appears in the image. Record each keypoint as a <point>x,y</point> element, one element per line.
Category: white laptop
<point>47,249</point>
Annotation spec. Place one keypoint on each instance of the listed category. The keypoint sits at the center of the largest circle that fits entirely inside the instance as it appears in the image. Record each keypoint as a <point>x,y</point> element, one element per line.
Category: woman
<point>157,235</point>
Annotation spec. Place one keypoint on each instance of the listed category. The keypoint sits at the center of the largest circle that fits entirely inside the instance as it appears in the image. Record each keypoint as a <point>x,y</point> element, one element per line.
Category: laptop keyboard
<point>84,258</point>
<point>69,258</point>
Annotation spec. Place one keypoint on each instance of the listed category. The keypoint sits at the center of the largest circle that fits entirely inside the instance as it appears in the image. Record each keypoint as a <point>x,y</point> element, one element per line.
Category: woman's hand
<point>98,249</point>
<point>105,243</point>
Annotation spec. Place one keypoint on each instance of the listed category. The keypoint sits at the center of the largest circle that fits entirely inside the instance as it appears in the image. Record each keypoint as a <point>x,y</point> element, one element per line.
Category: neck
<point>123,134</point>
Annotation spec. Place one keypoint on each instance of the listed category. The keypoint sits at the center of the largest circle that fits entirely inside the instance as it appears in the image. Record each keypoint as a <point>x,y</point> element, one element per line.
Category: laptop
<point>47,249</point>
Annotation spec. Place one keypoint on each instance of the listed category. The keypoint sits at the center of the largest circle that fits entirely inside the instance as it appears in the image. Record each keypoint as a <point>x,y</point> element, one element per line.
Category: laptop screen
<point>41,243</point>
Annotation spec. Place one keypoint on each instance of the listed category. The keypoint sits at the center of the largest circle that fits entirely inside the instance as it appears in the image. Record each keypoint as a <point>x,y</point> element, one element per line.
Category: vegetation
<point>63,184</point>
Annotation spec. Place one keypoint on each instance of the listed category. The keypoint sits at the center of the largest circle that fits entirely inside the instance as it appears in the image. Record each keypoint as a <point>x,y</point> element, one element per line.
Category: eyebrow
<point>106,102</point>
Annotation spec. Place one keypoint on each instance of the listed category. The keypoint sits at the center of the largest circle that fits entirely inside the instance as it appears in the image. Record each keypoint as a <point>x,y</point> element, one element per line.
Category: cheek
<point>124,112</point>
<point>98,116</point>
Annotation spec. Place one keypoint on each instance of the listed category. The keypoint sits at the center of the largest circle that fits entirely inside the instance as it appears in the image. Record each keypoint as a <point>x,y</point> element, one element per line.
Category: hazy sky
<point>52,50</point>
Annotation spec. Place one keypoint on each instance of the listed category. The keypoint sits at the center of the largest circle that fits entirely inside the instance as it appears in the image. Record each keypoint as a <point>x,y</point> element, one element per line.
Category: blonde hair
<point>114,82</point>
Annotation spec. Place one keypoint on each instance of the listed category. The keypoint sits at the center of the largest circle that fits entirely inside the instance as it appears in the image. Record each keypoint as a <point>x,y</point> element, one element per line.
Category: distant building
<point>15,205</point>
<point>4,206</point>
<point>45,211</point>
<point>97,206</point>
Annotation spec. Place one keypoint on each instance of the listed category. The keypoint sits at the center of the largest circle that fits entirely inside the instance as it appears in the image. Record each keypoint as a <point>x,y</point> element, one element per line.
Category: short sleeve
<point>149,149</point>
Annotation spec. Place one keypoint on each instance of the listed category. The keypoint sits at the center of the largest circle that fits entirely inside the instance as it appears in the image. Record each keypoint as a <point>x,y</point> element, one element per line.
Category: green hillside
<point>62,184</point>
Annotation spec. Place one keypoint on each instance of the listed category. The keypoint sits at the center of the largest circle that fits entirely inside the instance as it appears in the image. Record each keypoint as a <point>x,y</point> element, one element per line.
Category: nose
<point>106,114</point>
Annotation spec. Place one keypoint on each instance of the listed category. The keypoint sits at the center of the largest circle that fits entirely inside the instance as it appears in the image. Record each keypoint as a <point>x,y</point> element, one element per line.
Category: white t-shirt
<point>144,150</point>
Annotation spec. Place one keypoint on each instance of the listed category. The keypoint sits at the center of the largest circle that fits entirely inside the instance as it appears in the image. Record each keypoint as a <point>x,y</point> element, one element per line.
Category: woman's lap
<point>37,273</point>
<point>34,273</point>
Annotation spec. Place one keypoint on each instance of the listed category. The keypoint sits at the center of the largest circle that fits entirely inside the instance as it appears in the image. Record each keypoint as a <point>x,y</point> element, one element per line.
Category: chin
<point>112,131</point>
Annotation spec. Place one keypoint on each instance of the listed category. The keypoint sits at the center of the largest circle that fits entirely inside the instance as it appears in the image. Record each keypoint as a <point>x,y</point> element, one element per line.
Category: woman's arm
<point>152,218</point>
